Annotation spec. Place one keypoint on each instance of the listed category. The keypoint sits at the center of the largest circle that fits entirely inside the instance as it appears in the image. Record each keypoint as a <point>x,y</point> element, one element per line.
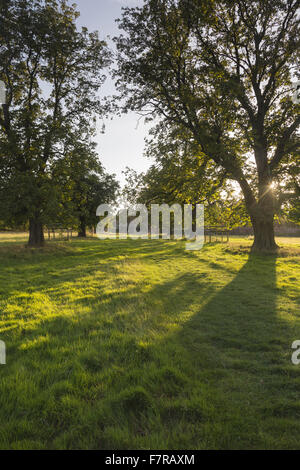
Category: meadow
<point>134,344</point>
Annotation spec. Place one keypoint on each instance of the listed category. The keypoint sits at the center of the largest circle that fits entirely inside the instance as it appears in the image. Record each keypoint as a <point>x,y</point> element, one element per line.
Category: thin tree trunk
<point>36,233</point>
<point>82,228</point>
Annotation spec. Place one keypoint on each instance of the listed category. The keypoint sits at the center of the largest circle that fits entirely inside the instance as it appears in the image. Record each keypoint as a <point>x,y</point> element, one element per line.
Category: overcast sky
<point>123,143</point>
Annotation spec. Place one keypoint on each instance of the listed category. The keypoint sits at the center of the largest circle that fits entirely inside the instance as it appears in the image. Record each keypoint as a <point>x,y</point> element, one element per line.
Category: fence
<point>216,233</point>
<point>59,231</point>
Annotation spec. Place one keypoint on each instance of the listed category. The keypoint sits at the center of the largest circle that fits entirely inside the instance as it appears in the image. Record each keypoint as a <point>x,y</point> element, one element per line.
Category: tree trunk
<point>36,233</point>
<point>261,212</point>
<point>264,237</point>
<point>82,228</point>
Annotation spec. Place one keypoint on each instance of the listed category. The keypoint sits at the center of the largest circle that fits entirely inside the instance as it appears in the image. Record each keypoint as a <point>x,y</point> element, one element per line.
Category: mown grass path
<point>143,345</point>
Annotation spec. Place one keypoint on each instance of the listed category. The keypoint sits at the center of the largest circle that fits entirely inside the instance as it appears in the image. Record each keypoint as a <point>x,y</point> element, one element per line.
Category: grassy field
<point>143,345</point>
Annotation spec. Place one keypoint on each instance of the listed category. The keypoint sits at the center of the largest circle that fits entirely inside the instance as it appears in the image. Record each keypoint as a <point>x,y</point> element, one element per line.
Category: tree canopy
<point>53,73</point>
<point>221,73</point>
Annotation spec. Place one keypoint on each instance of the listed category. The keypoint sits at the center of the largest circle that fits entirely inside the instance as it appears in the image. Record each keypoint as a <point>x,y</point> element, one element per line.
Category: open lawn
<point>143,345</point>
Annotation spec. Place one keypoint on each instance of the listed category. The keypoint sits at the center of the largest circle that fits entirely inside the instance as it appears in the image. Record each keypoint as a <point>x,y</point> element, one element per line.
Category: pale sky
<point>123,143</point>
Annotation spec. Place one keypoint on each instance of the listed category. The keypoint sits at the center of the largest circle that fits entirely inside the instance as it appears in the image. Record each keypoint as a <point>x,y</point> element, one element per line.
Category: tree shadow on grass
<point>222,378</point>
<point>219,368</point>
<point>239,345</point>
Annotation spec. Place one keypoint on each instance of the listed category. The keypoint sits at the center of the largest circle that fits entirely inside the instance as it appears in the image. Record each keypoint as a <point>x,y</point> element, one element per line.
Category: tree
<point>223,72</point>
<point>88,184</point>
<point>52,73</point>
<point>102,189</point>
<point>80,184</point>
<point>170,183</point>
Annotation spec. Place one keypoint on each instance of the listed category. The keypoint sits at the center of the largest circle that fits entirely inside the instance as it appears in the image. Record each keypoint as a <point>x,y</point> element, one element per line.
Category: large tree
<point>83,183</point>
<point>223,71</point>
<point>52,73</point>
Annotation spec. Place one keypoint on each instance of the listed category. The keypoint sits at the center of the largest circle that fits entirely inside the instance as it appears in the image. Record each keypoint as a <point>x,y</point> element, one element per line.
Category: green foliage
<point>294,213</point>
<point>218,76</point>
<point>181,175</point>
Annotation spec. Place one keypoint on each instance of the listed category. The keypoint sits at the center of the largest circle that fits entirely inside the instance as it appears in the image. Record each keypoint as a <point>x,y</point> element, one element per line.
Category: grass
<point>143,345</point>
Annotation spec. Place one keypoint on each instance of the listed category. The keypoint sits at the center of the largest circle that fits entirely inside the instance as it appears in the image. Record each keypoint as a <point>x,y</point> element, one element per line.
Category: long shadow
<point>229,348</point>
<point>240,346</point>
